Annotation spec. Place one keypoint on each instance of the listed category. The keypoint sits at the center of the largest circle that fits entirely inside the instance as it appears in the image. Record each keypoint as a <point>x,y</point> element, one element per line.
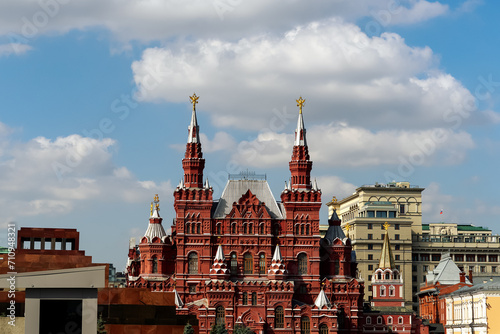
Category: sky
<point>95,105</point>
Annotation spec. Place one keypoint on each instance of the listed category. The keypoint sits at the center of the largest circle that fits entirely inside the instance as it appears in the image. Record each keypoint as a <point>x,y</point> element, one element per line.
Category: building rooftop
<point>491,284</point>
<point>426,227</point>
<point>236,188</point>
<point>446,272</point>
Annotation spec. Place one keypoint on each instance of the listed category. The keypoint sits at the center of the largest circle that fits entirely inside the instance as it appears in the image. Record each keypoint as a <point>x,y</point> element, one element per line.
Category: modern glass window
<point>370,214</point>
<point>262,264</point>
<point>192,263</point>
<point>305,325</point>
<point>220,315</point>
<point>248,264</point>
<point>302,264</point>
<point>279,317</point>
<point>381,214</point>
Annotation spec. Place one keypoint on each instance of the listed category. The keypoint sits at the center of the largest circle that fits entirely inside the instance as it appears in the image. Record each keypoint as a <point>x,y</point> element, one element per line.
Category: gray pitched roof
<point>446,272</point>
<point>334,229</point>
<point>236,188</point>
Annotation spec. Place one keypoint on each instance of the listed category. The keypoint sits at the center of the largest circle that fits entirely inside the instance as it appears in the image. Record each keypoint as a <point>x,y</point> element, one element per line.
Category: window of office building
<point>470,258</point>
<point>370,236</point>
<point>396,226</point>
<point>424,257</point>
<point>436,257</point>
<point>459,258</point>
<point>392,214</point>
<point>493,258</point>
<point>397,257</point>
<point>370,246</point>
<point>370,226</point>
<point>396,236</point>
<point>481,258</point>
<point>370,256</point>
<point>381,214</point>
<point>397,247</point>
<point>482,269</point>
<point>370,214</point>
<point>370,267</point>
<point>494,269</point>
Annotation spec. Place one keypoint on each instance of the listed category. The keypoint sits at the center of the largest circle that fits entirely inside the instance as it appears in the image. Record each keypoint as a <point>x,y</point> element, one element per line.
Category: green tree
<point>218,329</point>
<point>188,329</point>
<point>100,325</point>
<point>240,329</point>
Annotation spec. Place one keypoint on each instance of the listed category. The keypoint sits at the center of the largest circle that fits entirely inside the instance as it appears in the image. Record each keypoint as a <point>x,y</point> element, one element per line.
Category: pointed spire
<point>207,186</point>
<point>219,256</point>
<point>155,207</point>
<point>178,300</point>
<point>300,133</point>
<point>286,186</point>
<point>322,300</point>
<point>194,129</point>
<point>386,256</point>
<point>277,254</point>
<point>219,267</point>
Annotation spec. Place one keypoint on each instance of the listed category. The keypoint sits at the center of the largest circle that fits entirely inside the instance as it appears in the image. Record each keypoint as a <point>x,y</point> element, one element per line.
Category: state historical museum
<point>248,259</point>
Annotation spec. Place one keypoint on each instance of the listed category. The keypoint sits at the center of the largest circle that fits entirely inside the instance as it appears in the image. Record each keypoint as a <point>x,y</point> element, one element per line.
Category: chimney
<point>470,275</point>
<point>462,277</point>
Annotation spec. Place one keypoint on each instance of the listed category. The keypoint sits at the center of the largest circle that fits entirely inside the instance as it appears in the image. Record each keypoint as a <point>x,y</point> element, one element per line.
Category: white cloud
<point>149,20</point>
<point>49,177</point>
<point>337,144</point>
<point>419,11</point>
<point>344,75</point>
<point>222,141</point>
<point>334,186</point>
<point>13,48</point>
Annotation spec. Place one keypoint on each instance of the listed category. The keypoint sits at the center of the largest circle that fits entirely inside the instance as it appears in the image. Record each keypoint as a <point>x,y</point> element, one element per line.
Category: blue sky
<point>95,104</point>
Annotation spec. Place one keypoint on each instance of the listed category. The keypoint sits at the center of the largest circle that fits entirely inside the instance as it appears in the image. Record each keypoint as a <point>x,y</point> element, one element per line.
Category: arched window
<point>379,276</point>
<point>305,325</point>
<point>387,276</point>
<point>302,264</point>
<point>245,228</point>
<point>254,298</point>
<point>262,264</point>
<point>307,229</point>
<point>391,291</point>
<point>379,320</point>
<point>323,329</point>
<point>261,228</point>
<point>245,298</point>
<point>389,320</point>
<point>279,317</point>
<point>192,263</point>
<point>155,265</point>
<point>248,263</point>
<point>198,228</point>
<point>400,320</point>
<point>250,228</point>
<point>382,291</point>
<point>297,229</point>
<point>220,315</point>
<point>188,228</point>
<point>233,228</point>
<point>302,229</point>
<point>234,264</point>
<point>336,267</point>
<point>219,228</point>
<point>368,320</point>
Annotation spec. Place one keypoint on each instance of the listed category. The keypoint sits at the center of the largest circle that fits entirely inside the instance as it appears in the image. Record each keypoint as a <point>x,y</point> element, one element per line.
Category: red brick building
<point>442,280</point>
<point>247,258</point>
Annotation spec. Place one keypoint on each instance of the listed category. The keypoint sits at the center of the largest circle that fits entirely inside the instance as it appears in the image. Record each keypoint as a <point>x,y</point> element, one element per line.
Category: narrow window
<point>155,265</point>
<point>254,298</point>
<point>245,298</point>
<point>188,228</point>
<point>307,229</point>
<point>219,229</point>
<point>323,329</point>
<point>279,317</point>
<point>220,315</point>
<point>302,264</point>
<point>198,228</point>
<point>234,264</point>
<point>248,267</point>
<point>262,264</point>
<point>192,263</point>
<point>261,229</point>
<point>305,326</point>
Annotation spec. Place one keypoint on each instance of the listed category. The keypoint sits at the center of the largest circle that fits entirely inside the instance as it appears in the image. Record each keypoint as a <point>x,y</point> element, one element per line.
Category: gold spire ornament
<point>334,200</point>
<point>386,226</point>
<point>347,227</point>
<point>151,209</point>
<point>194,100</point>
<point>300,103</point>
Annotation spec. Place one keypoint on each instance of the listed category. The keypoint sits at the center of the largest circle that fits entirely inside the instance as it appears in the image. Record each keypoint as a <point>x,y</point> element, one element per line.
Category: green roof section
<point>425,227</point>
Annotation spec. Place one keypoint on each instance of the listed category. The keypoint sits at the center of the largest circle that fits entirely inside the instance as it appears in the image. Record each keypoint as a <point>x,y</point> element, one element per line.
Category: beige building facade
<point>417,247</point>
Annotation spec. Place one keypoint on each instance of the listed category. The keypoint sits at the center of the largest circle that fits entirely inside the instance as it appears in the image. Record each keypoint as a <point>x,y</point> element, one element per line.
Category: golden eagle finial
<point>334,200</point>
<point>300,103</point>
<point>386,226</point>
<point>194,100</point>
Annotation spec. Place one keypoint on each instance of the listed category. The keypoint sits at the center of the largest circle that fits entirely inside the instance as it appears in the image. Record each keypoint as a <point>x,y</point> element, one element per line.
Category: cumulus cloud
<point>149,20</point>
<point>379,82</point>
<point>13,48</point>
<point>337,144</point>
<point>47,177</point>
<point>334,186</point>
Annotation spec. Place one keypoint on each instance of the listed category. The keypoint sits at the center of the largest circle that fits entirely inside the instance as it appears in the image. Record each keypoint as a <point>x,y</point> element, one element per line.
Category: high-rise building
<point>247,259</point>
<point>417,246</point>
